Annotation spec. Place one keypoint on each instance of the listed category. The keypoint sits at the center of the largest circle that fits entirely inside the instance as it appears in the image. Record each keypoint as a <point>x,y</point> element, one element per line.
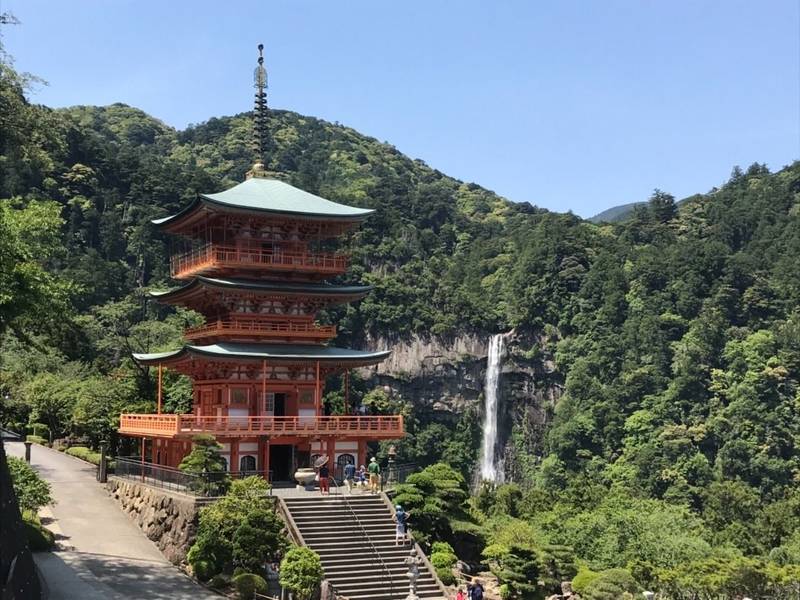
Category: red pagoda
<point>259,363</point>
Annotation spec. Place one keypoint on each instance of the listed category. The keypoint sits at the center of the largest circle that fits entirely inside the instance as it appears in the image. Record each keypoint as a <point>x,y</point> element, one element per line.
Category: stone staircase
<point>328,527</point>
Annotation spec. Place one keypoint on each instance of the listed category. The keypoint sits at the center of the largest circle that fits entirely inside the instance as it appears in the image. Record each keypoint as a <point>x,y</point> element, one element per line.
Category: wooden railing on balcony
<point>261,329</point>
<point>213,257</point>
<point>372,427</point>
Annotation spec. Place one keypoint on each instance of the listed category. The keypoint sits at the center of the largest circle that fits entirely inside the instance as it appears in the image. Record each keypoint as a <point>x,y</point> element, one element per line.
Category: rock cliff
<point>445,376</point>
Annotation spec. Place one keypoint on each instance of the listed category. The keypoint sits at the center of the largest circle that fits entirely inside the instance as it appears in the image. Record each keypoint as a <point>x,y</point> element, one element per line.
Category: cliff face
<point>445,376</point>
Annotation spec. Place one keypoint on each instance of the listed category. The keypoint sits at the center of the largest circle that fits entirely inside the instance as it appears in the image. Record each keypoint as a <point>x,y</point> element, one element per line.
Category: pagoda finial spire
<point>260,117</point>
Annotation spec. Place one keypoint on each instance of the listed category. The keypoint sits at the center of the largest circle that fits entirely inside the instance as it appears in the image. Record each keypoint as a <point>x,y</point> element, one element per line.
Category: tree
<point>301,572</point>
<point>239,529</point>
<point>31,297</point>
<point>207,464</point>
<point>662,206</point>
<point>257,540</point>
<point>518,568</point>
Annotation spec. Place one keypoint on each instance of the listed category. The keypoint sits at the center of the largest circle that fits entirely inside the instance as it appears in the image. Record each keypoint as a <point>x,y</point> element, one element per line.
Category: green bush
<point>505,592</point>
<point>247,584</point>
<point>203,569</point>
<point>301,572</point>
<point>612,584</point>
<point>443,560</point>
<point>583,579</point>
<point>31,490</point>
<point>442,547</point>
<point>219,581</point>
<point>36,440</point>
<point>84,454</point>
<point>40,539</point>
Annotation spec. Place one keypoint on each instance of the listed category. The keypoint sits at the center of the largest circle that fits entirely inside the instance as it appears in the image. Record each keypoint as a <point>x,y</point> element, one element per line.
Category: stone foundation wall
<point>168,519</point>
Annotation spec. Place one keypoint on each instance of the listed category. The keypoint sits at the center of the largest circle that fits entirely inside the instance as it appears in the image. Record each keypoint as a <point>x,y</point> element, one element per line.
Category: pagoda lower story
<point>263,405</point>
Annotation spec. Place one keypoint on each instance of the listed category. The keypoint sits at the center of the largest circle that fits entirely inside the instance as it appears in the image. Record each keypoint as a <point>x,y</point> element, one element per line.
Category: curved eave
<point>343,293</point>
<point>271,353</point>
<point>217,203</point>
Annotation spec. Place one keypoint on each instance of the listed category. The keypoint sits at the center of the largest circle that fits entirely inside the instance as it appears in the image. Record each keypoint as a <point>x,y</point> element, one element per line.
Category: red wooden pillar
<point>318,394</point>
<point>266,458</point>
<point>234,444</point>
<point>347,391</point>
<point>263,387</point>
<point>160,388</point>
<point>330,447</point>
<point>144,442</point>
<point>361,457</point>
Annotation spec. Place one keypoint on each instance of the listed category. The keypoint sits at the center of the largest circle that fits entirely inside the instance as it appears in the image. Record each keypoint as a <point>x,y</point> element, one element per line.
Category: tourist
<point>349,475</point>
<point>361,480</point>
<point>460,595</point>
<point>324,473</point>
<point>374,475</point>
<point>401,531</point>
<point>476,591</point>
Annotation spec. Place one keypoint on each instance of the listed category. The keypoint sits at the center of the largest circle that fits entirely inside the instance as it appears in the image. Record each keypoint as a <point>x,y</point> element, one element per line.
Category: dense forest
<point>672,457</point>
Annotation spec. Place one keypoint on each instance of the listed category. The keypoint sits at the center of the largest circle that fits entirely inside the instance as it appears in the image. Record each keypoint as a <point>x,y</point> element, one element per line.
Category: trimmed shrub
<point>612,584</point>
<point>247,584</point>
<point>202,569</point>
<point>35,439</point>
<point>583,578</point>
<point>442,547</point>
<point>443,561</point>
<point>84,454</point>
<point>220,581</point>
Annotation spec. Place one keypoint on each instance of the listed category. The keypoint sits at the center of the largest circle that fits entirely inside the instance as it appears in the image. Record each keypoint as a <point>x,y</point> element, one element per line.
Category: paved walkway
<point>101,553</point>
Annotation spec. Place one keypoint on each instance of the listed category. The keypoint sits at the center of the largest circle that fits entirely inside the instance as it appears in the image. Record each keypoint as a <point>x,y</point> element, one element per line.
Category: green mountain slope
<point>616,213</point>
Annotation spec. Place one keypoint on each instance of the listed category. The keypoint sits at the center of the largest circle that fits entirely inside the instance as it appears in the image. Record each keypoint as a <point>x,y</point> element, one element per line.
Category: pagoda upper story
<point>254,269</point>
<point>262,227</point>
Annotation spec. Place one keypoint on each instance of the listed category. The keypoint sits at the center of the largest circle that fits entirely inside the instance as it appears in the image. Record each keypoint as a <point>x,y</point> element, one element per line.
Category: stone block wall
<point>168,519</point>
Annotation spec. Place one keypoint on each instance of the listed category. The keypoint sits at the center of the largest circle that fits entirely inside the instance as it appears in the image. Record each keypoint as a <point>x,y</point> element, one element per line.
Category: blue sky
<point>570,105</point>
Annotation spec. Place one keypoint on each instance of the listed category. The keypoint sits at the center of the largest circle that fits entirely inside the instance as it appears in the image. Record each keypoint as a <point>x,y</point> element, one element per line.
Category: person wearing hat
<point>400,517</point>
<point>374,470</point>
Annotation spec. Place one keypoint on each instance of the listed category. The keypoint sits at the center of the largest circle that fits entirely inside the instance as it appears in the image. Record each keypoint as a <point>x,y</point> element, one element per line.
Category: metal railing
<point>375,427</point>
<point>211,484</point>
<point>365,536</point>
<point>216,256</point>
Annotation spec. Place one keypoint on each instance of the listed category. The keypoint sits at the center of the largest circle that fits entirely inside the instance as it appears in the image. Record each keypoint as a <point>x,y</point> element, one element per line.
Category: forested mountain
<point>615,213</point>
<point>673,450</point>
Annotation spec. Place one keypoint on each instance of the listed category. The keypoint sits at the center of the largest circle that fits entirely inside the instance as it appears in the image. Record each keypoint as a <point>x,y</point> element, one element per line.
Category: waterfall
<point>490,470</point>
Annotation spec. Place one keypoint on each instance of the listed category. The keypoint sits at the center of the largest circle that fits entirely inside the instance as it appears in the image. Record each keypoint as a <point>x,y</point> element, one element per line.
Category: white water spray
<point>489,465</point>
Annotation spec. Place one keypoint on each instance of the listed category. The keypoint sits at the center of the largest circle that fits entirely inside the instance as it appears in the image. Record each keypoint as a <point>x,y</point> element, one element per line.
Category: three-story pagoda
<point>259,363</point>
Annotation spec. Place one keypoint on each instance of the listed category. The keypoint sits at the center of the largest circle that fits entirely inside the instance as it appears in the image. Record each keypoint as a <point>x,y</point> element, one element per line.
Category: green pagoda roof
<point>259,194</point>
<point>269,352</point>
<point>314,289</point>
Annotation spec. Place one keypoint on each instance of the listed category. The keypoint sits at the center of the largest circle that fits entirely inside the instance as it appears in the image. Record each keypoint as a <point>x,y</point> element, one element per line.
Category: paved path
<point>101,553</point>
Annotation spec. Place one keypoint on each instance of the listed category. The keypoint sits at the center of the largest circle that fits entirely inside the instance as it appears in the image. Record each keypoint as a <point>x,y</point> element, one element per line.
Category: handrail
<point>255,327</point>
<point>268,257</point>
<point>365,535</point>
<point>294,530</point>
<point>388,426</point>
<point>419,551</point>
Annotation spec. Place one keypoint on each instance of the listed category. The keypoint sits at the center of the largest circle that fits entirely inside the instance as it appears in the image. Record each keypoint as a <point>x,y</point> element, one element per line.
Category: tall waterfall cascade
<point>491,469</point>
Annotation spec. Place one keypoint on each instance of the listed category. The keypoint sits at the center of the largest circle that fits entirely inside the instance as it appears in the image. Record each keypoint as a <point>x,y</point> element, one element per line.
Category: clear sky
<point>567,104</point>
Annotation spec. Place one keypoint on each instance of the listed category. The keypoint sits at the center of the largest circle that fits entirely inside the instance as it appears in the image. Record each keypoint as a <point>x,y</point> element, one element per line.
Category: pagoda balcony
<point>217,259</point>
<point>172,426</point>
<point>247,329</point>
